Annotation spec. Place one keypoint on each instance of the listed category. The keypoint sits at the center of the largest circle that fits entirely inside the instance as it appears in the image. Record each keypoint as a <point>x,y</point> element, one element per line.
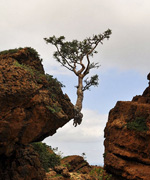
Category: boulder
<point>76,163</point>
<point>32,106</point>
<point>23,165</point>
<point>127,139</point>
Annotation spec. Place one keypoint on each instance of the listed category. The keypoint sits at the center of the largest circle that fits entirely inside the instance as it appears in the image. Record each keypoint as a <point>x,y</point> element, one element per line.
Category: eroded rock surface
<point>76,163</point>
<point>23,165</point>
<point>72,168</point>
<point>32,105</point>
<point>127,143</point>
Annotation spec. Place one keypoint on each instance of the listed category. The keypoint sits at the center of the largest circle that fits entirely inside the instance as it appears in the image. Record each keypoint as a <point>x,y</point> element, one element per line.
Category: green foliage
<point>54,82</point>
<point>33,51</point>
<point>55,89</point>
<point>75,56</point>
<point>47,158</point>
<point>23,66</point>
<point>75,50</point>
<point>104,154</point>
<point>10,51</point>
<point>28,50</point>
<point>54,108</point>
<point>92,82</point>
<point>99,174</point>
<point>38,76</point>
<point>138,124</point>
<point>54,85</point>
<point>70,54</point>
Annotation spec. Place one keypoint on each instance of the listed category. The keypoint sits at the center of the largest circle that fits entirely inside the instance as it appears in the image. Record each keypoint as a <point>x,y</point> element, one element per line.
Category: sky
<point>124,58</point>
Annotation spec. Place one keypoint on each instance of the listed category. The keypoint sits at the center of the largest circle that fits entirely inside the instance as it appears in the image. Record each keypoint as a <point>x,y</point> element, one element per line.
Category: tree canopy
<point>75,56</point>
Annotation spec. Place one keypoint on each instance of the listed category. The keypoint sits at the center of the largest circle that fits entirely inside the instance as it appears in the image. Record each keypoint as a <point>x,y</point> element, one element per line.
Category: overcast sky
<point>124,59</point>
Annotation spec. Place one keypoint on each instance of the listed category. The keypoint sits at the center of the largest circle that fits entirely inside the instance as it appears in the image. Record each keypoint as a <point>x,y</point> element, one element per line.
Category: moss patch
<point>138,124</point>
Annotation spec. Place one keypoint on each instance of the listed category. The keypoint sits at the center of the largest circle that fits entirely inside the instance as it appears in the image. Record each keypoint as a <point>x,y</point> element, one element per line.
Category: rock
<point>148,76</point>
<point>76,163</point>
<point>23,165</point>
<point>77,176</point>
<point>62,170</point>
<point>50,174</point>
<point>32,106</point>
<point>127,139</point>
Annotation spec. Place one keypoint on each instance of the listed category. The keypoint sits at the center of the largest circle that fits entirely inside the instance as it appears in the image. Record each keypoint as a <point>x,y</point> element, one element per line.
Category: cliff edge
<point>127,139</point>
<point>32,108</point>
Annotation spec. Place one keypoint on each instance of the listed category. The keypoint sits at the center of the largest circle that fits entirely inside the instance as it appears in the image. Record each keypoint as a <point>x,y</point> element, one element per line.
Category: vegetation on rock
<point>99,174</point>
<point>47,157</point>
<point>127,141</point>
<point>54,82</point>
<point>25,93</point>
<point>27,49</point>
<point>138,124</point>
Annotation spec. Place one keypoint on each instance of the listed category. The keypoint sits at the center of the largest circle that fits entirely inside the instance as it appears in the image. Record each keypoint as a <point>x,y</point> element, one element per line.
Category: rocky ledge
<point>127,139</point>
<point>76,168</point>
<point>32,108</point>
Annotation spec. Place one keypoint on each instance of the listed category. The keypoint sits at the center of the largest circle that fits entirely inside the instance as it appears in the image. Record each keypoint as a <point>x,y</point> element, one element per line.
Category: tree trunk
<point>78,106</point>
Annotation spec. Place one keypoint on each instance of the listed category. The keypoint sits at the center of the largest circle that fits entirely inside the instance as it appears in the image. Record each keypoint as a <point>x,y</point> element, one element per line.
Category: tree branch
<point>83,67</point>
<point>87,56</point>
<point>71,67</point>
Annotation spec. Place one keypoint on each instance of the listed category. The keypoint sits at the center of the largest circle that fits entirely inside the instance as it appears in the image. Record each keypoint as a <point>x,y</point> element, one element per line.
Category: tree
<point>75,56</point>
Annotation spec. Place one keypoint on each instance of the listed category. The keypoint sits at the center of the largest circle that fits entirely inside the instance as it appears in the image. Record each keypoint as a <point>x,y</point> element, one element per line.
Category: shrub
<point>33,51</point>
<point>99,174</point>
<point>23,66</point>
<point>138,124</point>
<point>47,157</point>
<point>54,86</point>
<point>28,50</point>
<point>10,51</point>
<point>53,81</point>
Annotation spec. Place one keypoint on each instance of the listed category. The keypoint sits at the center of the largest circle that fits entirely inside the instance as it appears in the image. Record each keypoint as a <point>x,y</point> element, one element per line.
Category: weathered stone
<point>32,106</point>
<point>24,164</point>
<point>62,170</point>
<point>76,163</point>
<point>127,143</point>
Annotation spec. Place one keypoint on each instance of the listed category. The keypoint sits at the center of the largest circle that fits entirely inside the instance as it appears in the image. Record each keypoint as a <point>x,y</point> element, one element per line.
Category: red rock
<point>23,165</point>
<point>127,145</point>
<point>31,108</point>
<point>76,163</point>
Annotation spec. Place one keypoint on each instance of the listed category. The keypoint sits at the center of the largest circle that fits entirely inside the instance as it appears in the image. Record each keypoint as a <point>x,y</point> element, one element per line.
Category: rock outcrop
<point>75,168</point>
<point>127,139</point>
<point>76,164</point>
<point>23,164</point>
<point>32,106</point>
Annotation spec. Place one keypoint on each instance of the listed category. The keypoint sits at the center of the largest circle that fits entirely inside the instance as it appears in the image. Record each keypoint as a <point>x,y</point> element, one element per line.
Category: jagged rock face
<point>71,168</point>
<point>32,104</point>
<point>23,165</point>
<point>76,163</point>
<point>127,143</point>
